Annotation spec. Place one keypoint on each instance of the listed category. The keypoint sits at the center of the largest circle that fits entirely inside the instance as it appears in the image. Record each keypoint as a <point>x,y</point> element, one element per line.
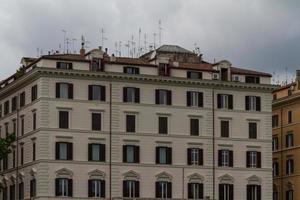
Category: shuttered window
<point>34,92</point>
<point>225,101</point>
<point>164,155</point>
<point>224,128</point>
<point>253,159</point>
<point>131,154</point>
<point>64,65</point>
<point>163,97</point>
<point>274,121</point>
<point>6,107</point>
<point>252,130</point>
<point>163,125</point>
<point>97,93</point>
<point>64,151</point>
<point>63,187</point>
<point>290,116</point>
<point>194,156</point>
<point>96,121</point>
<point>96,152</point>
<point>195,190</point>
<point>63,119</point>
<point>225,158</point>
<point>253,103</point>
<point>253,192</point>
<point>64,90</point>
<point>194,127</point>
<point>14,104</point>
<point>194,75</point>
<point>163,189</point>
<point>131,70</point>
<point>131,189</point>
<point>97,64</point>
<point>130,123</point>
<point>226,192</point>
<point>131,94</point>
<point>194,99</point>
<point>22,99</point>
<point>96,188</point>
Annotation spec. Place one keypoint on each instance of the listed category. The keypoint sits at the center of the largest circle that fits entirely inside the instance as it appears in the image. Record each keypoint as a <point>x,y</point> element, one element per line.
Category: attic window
<point>96,65</point>
<point>252,79</point>
<point>131,70</point>
<point>64,65</point>
<point>163,70</point>
<point>194,75</point>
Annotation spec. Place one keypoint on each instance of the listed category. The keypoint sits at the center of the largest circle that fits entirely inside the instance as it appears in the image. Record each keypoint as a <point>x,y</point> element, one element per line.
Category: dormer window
<point>96,65</point>
<point>194,75</point>
<point>224,74</point>
<point>163,69</point>
<point>131,70</point>
<point>252,79</point>
<point>64,65</point>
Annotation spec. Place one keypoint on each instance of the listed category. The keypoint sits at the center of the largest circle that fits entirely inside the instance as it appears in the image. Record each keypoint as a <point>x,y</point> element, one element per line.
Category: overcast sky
<point>256,34</point>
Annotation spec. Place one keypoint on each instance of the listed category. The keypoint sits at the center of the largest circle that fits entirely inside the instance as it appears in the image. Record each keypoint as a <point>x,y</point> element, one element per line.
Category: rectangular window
<point>131,189</point>
<point>22,155</point>
<point>64,65</point>
<point>253,103</point>
<point>275,169</point>
<point>275,121</point>
<point>131,70</point>
<point>33,151</point>
<point>64,90</point>
<point>163,69</point>
<point>6,107</point>
<point>97,65</point>
<point>253,159</point>
<point>163,97</point>
<point>6,129</point>
<point>289,166</point>
<point>130,123</point>
<point>14,158</point>
<point>224,128</point>
<point>63,187</point>
<point>97,188</point>
<point>253,192</point>
<point>97,92</point>
<point>131,154</point>
<point>195,190</point>
<point>12,192</point>
<point>22,99</point>
<point>34,120</point>
<point>290,116</point>
<point>194,75</point>
<point>194,156</point>
<point>131,94</point>
<point>64,151</point>
<point>252,130</point>
<point>64,119</point>
<point>163,155</point>
<point>163,190</point>
<point>252,79</point>
<point>275,143</point>
<point>14,127</point>
<point>5,163</point>
<point>194,99</point>
<point>14,104</point>
<point>5,193</point>
<point>97,152</point>
<point>163,125</point>
<point>289,140</point>
<point>0,110</point>
<point>32,188</point>
<point>225,101</point>
<point>34,93</point>
<point>289,194</point>
<point>22,125</point>
<point>96,121</point>
<point>226,192</point>
<point>225,158</point>
<point>21,191</point>
<point>194,127</point>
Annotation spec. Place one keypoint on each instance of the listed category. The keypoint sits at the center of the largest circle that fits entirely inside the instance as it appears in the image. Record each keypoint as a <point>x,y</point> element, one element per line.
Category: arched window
<point>64,183</point>
<point>195,186</point>
<point>253,188</point>
<point>163,185</point>
<point>131,185</point>
<point>226,187</point>
<point>96,184</point>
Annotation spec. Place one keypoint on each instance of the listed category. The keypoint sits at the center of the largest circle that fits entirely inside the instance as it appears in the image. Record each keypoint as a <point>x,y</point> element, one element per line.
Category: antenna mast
<point>102,37</point>
<point>65,33</point>
<point>154,40</point>
<point>145,42</point>
<point>139,46</point>
<point>159,31</point>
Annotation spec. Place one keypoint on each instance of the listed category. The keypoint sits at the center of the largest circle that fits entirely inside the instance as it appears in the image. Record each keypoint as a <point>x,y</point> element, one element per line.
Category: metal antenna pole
<point>65,33</point>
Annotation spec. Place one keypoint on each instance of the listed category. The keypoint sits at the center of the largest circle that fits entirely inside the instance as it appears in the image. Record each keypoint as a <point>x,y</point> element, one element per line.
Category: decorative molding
<point>96,174</point>
<point>64,173</point>
<point>226,179</point>
<point>196,178</point>
<point>254,180</point>
<point>131,175</point>
<point>164,176</point>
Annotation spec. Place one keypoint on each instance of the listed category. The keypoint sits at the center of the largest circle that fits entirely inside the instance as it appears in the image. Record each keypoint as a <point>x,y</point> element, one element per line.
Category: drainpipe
<point>213,140</point>
<point>110,139</point>
<point>17,141</point>
<point>281,154</point>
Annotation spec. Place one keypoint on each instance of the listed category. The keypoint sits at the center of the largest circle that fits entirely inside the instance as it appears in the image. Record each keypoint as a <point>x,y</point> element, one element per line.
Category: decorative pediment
<point>254,180</point>
<point>131,175</point>
<point>33,172</point>
<point>13,178</point>
<point>226,179</point>
<point>290,185</point>
<point>164,176</point>
<point>96,174</point>
<point>195,178</point>
<point>64,173</point>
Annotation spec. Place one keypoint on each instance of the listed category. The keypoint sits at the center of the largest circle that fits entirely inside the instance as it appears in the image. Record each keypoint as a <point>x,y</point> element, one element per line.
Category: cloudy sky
<point>258,34</point>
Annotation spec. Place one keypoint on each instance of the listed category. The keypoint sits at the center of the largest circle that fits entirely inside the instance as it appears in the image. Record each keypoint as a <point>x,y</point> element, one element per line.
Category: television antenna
<point>139,45</point>
<point>160,31</point>
<point>154,40</point>
<point>102,37</point>
<point>73,44</point>
<point>65,34</point>
<point>128,47</point>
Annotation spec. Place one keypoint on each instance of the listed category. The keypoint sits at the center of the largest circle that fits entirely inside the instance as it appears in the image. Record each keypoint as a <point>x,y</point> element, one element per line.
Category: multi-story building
<point>165,125</point>
<point>286,141</point>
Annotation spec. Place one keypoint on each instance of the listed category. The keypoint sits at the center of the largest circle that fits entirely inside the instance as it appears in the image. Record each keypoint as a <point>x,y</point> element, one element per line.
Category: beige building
<point>165,125</point>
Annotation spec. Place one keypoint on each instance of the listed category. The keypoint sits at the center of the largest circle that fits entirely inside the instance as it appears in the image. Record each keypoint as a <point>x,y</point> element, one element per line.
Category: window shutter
<point>102,182</point>
<point>137,189</point>
<point>157,155</point>
<point>70,91</point>
<point>169,155</point>
<point>188,74</point>
<point>157,96</point>
<point>124,69</point>
<point>57,150</point>
<point>248,159</point>
<point>169,190</point>
<point>247,102</point>
<point>248,192</point>
<point>57,192</point>
<point>221,192</point>
<point>201,190</point>
<point>90,150</point>
<point>230,101</point>
<point>258,192</point>
<point>157,190</point>
<point>137,95</point>
<point>124,94</point>
<point>231,192</point>
<point>257,79</point>
<point>230,158</point>
<point>124,153</point>
<point>103,93</point>
<point>70,65</point>
<point>137,70</point>
<point>219,101</point>
<point>57,90</point>
<point>70,151</point>
<point>189,152</point>
<point>219,158</point>
<point>58,65</point>
<point>258,104</point>
<point>70,187</point>
<point>102,152</point>
<point>188,98</point>
<point>90,92</point>
<point>136,154</point>
<point>200,154</point>
<point>125,191</point>
<point>292,166</point>
<point>190,192</point>
<point>258,159</point>
<point>169,97</point>
<point>90,185</point>
<point>200,99</point>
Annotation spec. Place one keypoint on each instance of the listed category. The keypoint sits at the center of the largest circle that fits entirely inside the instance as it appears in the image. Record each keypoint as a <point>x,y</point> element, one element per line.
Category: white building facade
<point>94,125</point>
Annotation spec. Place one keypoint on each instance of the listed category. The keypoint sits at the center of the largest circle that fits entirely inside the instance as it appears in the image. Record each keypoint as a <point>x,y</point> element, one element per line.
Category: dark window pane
<point>130,123</point>
<point>224,128</point>
<point>163,125</point>
<point>194,126</point>
<point>96,121</point>
<point>64,119</point>
<point>252,130</point>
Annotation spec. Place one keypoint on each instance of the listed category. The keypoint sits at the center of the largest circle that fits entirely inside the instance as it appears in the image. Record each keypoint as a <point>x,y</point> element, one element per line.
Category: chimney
<point>82,50</point>
<point>113,58</point>
<point>106,50</point>
<point>100,48</point>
